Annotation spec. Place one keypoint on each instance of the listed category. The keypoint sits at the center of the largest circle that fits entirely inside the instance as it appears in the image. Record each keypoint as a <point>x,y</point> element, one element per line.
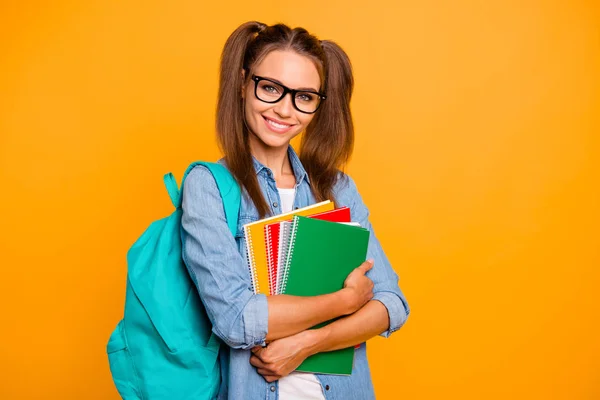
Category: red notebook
<point>272,240</point>
<point>338,215</point>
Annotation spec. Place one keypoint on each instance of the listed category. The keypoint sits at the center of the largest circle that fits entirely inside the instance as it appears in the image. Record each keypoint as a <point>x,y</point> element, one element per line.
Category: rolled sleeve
<point>255,317</point>
<point>238,316</point>
<point>397,310</point>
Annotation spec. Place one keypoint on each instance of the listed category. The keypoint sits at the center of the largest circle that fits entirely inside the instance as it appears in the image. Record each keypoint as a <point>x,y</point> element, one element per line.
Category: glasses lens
<point>268,91</point>
<point>307,101</point>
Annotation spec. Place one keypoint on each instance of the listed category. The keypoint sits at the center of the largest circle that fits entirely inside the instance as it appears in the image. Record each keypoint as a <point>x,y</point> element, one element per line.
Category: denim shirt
<point>217,262</point>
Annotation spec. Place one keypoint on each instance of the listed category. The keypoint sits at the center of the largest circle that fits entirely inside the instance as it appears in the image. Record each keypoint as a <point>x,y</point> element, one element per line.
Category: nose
<point>284,107</point>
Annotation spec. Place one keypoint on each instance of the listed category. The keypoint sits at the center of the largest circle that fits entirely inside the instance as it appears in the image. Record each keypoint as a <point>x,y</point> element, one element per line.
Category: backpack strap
<point>228,187</point>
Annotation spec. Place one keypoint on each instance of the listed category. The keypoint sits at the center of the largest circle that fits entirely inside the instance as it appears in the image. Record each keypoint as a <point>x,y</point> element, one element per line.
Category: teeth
<point>276,125</point>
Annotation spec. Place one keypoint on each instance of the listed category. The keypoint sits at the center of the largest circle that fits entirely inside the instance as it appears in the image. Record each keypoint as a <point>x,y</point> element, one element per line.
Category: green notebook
<point>320,256</point>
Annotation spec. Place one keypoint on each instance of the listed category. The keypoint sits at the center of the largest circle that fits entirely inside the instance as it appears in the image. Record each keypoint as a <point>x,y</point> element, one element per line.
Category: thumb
<point>367,265</point>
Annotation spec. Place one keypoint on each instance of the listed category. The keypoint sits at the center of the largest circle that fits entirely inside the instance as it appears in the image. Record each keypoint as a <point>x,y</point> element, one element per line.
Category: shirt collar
<point>299,170</point>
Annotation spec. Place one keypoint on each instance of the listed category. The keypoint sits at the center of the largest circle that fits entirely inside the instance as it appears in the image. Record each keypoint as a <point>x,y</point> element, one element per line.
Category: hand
<point>282,356</point>
<point>359,286</point>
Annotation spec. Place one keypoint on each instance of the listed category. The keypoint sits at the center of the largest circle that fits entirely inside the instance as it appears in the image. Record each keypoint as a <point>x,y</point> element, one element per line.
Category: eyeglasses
<point>269,91</point>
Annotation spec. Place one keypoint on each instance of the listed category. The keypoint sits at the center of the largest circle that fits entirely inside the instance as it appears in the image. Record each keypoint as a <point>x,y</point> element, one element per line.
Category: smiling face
<point>272,126</point>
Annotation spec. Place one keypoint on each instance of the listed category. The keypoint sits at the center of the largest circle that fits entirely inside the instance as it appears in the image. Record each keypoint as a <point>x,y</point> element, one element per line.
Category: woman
<point>276,83</point>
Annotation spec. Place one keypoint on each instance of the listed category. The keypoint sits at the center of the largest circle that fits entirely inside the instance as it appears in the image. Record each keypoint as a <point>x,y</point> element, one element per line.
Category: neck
<point>274,158</point>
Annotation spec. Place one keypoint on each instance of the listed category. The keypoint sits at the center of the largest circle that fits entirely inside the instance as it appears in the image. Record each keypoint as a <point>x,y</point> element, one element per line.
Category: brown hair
<point>328,140</point>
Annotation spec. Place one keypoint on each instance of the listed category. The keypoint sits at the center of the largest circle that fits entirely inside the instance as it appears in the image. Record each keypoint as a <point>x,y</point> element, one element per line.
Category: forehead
<point>289,68</point>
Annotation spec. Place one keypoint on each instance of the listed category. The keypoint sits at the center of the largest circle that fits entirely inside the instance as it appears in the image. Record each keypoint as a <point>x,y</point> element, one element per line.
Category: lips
<point>277,126</point>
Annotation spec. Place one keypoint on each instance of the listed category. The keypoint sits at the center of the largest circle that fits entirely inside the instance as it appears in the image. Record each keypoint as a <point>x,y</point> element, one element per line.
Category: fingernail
<point>371,261</point>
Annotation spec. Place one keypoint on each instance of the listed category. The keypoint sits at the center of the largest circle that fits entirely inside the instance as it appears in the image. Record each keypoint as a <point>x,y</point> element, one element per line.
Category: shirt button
<point>275,204</point>
<point>272,388</point>
<point>326,387</point>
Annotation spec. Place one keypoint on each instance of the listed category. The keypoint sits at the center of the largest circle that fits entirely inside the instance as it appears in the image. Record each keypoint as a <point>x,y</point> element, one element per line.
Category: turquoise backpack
<point>164,348</point>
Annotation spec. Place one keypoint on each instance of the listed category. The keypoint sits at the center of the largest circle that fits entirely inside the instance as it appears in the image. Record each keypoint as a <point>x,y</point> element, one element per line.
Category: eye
<point>271,89</point>
<point>306,97</point>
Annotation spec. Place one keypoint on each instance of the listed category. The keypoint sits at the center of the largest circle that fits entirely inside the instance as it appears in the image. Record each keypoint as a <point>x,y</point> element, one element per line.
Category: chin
<point>273,140</point>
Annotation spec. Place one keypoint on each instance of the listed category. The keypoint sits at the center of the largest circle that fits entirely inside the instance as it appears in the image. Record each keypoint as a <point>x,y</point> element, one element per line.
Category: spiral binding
<point>283,247</point>
<point>269,242</point>
<point>251,261</point>
<point>290,253</point>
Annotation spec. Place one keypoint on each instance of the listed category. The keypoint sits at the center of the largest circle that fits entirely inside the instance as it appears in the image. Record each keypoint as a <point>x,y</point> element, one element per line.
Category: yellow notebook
<point>257,247</point>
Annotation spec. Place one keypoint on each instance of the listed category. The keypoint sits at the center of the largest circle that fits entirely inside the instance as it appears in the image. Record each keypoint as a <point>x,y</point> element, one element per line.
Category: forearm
<point>289,315</point>
<point>369,321</point>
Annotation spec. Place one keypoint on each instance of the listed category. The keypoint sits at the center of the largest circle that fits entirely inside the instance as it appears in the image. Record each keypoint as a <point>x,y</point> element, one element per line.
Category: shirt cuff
<point>256,321</point>
<point>397,311</point>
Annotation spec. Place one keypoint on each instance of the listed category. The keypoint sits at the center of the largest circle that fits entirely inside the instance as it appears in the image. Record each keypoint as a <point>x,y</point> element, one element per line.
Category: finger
<point>257,362</point>
<point>257,350</point>
<point>367,265</point>
<point>265,372</point>
<point>272,378</point>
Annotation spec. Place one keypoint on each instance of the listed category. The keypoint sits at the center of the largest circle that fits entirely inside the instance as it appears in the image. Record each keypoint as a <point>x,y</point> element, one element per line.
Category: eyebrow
<point>306,89</point>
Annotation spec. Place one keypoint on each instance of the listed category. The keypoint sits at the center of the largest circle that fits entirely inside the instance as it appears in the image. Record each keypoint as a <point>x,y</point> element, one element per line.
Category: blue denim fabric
<point>217,262</point>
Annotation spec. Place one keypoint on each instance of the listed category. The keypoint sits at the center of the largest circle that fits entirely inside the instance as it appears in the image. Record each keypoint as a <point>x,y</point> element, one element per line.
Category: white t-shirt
<point>287,199</point>
<point>297,385</point>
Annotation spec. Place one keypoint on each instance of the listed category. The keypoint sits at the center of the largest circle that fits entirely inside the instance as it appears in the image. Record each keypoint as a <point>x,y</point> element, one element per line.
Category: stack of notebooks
<point>307,252</point>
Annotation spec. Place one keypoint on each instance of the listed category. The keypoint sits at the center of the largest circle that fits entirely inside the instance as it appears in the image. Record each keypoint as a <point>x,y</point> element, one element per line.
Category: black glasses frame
<point>286,90</point>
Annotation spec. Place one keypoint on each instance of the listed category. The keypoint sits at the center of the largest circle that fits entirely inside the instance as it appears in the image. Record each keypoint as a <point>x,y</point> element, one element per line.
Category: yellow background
<point>477,152</point>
